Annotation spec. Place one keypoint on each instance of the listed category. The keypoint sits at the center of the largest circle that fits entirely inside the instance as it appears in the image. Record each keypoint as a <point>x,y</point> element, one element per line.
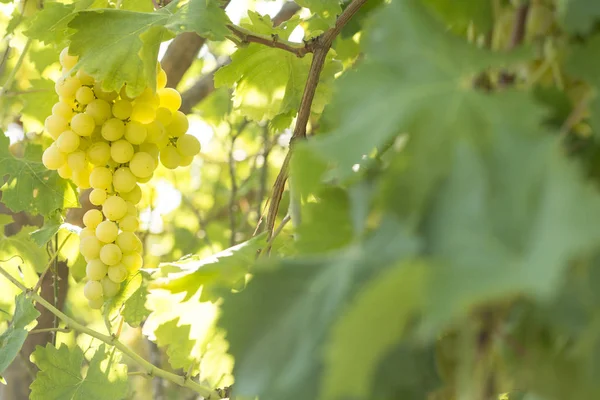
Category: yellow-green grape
<point>66,87</point>
<point>101,178</point>
<point>161,79</point>
<point>128,242</point>
<point>68,141</point>
<point>188,145</point>
<point>96,270</point>
<point>133,196</point>
<point>122,109</point>
<point>86,232</point>
<point>84,143</point>
<point>186,160</point>
<point>124,180</point>
<point>169,98</point>
<point>76,160</point>
<point>99,110</point>
<point>84,78</point>
<point>101,94</point>
<point>132,261</point>
<point>81,177</point>
<point>131,209</point>
<point>84,95</point>
<point>157,134</point>
<point>113,129</point>
<point>110,254</point>
<point>83,124</point>
<point>149,97</point>
<point>55,125</point>
<point>164,116</point>
<point>129,223</point>
<point>53,158</point>
<point>107,231</point>
<point>114,208</point>
<point>65,171</point>
<point>151,149</point>
<point>145,180</point>
<point>93,290</point>
<point>63,110</point>
<point>110,288</point>
<point>143,113</point>
<point>96,304</point>
<point>169,157</point>
<point>92,218</point>
<point>97,197</point>
<point>123,93</point>
<point>121,151</point>
<point>67,61</point>
<point>117,273</point>
<point>98,153</point>
<point>179,125</point>
<point>142,165</point>
<point>90,248</point>
<point>135,132</point>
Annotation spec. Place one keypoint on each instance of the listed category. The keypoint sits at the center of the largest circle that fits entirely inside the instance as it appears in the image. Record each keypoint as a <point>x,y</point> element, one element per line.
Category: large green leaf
<point>134,308</point>
<point>50,24</point>
<point>13,338</point>
<point>30,186</point>
<point>61,377</point>
<point>328,10</point>
<point>578,16</point>
<point>460,14</point>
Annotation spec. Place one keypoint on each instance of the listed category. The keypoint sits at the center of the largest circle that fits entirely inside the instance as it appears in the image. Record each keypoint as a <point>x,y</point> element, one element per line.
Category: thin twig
<point>50,262</point>
<point>44,330</point>
<point>234,185</point>
<point>13,73</point>
<point>516,38</point>
<point>247,36</point>
<point>264,175</point>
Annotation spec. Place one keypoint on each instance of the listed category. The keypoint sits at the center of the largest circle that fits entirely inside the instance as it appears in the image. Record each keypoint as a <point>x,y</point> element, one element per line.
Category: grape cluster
<point>111,142</point>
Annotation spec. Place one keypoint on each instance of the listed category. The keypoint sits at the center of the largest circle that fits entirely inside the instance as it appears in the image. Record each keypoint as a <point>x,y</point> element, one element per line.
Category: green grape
<point>169,157</point>
<point>86,232</point>
<point>121,151</point>
<point>83,124</point>
<point>64,171</point>
<point>107,231</point>
<point>99,110</point>
<point>179,125</point>
<point>143,113</point>
<point>161,78</point>
<point>113,129</point>
<point>129,223</point>
<point>164,116</point>
<point>110,254</point>
<point>68,141</point>
<point>110,288</point>
<point>151,149</point>
<point>169,98</point>
<point>135,132</point>
<point>81,177</point>
<point>97,197</point>
<point>142,165</point>
<point>101,178</point>
<point>53,158</point>
<point>114,208</point>
<point>62,109</point>
<point>123,93</point>
<point>157,134</point>
<point>186,160</point>
<point>96,270</point>
<point>55,125</point>
<point>92,218</point>
<point>145,180</point>
<point>122,109</point>
<point>67,86</point>
<point>84,95</point>
<point>84,143</point>
<point>96,304</point>
<point>188,145</point>
<point>132,261</point>
<point>77,160</point>
<point>148,97</point>
<point>92,290</point>
<point>134,195</point>
<point>85,79</point>
<point>101,94</point>
<point>131,209</point>
<point>124,180</point>
<point>128,242</point>
<point>117,273</point>
<point>99,153</point>
<point>67,61</point>
<point>90,247</point>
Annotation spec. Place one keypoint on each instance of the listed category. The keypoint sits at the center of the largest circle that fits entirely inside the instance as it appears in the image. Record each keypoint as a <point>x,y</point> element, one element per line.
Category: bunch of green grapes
<point>112,143</point>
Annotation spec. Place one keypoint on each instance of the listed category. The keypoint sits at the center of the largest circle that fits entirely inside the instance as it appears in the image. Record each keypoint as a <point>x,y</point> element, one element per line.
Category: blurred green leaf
<point>578,16</point>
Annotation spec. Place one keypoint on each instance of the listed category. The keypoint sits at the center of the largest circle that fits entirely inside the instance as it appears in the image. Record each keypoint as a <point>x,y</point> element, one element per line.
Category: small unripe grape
<point>86,232</point>
<point>131,209</point>
<point>92,218</point>
<point>92,290</point>
<point>107,231</point>
<point>157,134</point>
<point>133,261</point>
<point>113,129</point>
<point>188,145</point>
<point>135,132</point>
<point>164,116</point>
<point>161,79</point>
<point>65,171</point>
<point>67,87</point>
<point>101,94</point>
<point>142,165</point>
<point>169,98</point>
<point>128,242</point>
<point>179,125</point>
<point>110,288</point>
<point>97,197</point>
<point>114,208</point>
<point>84,143</point>
<point>77,160</point>
<point>84,78</point>
<point>143,113</point>
<point>81,177</point>
<point>151,149</point>
<point>68,141</point>
<point>169,157</point>
<point>110,254</point>
<point>96,304</point>
<point>121,151</point>
<point>149,97</point>
<point>63,110</point>
<point>133,196</point>
<point>122,109</point>
<point>84,95</point>
<point>185,161</point>
<point>96,270</point>
<point>67,61</point>
<point>99,153</point>
<point>83,124</point>
<point>124,180</point>
<point>55,125</point>
<point>90,247</point>
<point>117,273</point>
<point>53,158</point>
<point>99,110</point>
<point>129,223</point>
<point>123,93</point>
<point>101,178</point>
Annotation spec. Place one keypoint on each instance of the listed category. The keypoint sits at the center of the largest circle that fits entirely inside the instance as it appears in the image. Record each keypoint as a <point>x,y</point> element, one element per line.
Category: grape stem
<point>151,370</point>
<point>13,73</point>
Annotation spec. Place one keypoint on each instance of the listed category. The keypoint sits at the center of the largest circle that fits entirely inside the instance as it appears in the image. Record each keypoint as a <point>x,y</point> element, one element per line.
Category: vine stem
<point>11,77</point>
<point>151,369</point>
<point>247,36</point>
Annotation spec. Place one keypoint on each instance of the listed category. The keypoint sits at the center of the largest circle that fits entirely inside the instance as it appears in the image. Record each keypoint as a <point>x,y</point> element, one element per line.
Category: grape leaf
<point>30,186</point>
<point>269,82</point>
<point>60,375</point>
<point>205,17</point>
<point>50,24</point>
<point>38,103</point>
<point>13,338</point>
<point>460,14</point>
<point>134,309</point>
<point>50,228</point>
<point>578,16</point>
<point>137,5</point>
<point>128,288</point>
<point>277,326</point>
<point>175,338</point>
<point>23,245</point>
<point>328,10</point>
